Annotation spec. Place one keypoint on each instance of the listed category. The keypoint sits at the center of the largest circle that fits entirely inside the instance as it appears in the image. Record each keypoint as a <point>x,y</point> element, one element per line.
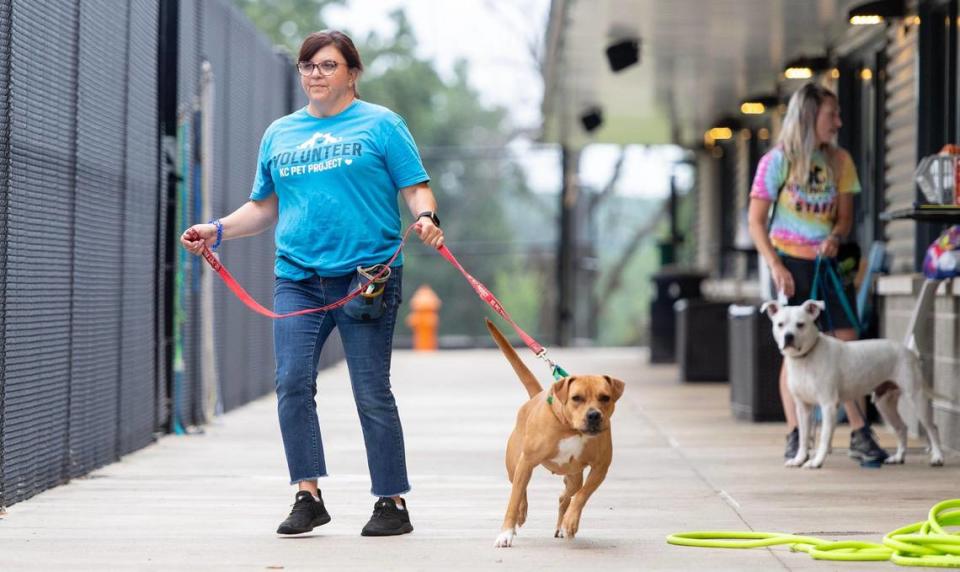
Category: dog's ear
<point>615,385</point>
<point>561,388</point>
<point>770,308</point>
<point>813,307</point>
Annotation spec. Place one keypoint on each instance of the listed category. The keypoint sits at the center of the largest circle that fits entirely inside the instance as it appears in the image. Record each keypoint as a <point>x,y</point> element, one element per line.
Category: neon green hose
<point>925,543</point>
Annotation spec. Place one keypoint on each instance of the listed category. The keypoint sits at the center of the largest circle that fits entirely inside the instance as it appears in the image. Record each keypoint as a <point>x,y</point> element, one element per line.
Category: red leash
<point>485,294</point>
<point>247,299</point>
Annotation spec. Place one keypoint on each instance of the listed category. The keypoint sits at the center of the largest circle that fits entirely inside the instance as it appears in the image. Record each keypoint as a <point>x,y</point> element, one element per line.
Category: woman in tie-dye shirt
<point>812,183</point>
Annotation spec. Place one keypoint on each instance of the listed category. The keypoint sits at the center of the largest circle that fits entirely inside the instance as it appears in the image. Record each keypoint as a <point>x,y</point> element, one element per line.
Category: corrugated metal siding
<point>6,22</point>
<point>137,420</point>
<point>97,273</point>
<point>901,141</point>
<point>250,94</point>
<point>39,241</point>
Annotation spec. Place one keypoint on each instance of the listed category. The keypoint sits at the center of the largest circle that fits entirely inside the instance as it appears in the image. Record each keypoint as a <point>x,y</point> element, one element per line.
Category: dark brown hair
<point>319,40</point>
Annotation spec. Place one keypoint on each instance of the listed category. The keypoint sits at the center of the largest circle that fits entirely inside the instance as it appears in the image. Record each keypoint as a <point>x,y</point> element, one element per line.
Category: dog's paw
<point>569,527</point>
<point>893,460</point>
<point>936,461</point>
<point>505,539</point>
<point>813,464</point>
<point>558,533</point>
<point>795,462</point>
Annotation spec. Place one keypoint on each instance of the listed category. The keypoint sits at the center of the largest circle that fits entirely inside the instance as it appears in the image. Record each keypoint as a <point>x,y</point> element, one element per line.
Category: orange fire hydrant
<point>424,318</point>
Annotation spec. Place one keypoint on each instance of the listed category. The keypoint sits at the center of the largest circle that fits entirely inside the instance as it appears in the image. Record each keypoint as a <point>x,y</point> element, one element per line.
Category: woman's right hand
<point>194,237</point>
<point>782,279</point>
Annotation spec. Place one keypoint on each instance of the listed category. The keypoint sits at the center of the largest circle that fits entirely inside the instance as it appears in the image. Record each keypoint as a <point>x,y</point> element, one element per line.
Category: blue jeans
<point>368,346</point>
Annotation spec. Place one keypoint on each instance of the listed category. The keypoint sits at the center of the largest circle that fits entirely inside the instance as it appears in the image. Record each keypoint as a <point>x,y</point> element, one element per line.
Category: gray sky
<point>493,35</point>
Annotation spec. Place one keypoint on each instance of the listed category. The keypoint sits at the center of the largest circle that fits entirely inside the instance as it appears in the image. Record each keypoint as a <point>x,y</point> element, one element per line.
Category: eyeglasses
<point>326,67</point>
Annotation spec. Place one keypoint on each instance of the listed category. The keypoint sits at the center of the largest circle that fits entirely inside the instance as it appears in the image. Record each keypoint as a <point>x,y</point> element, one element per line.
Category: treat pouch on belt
<point>370,304</point>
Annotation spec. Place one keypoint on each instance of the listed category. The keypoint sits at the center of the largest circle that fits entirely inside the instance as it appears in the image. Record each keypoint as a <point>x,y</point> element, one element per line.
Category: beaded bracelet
<point>216,222</point>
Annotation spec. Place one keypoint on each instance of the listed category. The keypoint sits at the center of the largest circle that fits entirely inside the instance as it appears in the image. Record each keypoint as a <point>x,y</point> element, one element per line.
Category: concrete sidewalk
<point>213,501</point>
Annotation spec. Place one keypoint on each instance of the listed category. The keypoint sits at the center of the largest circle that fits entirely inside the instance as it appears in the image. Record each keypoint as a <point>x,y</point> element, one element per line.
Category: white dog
<point>822,370</point>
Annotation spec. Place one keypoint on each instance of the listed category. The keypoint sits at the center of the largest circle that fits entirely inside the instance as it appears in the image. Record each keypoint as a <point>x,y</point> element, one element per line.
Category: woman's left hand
<point>830,246</point>
<point>429,233</point>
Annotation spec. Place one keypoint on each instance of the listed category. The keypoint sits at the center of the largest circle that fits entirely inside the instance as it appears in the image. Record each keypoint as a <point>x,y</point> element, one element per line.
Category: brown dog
<point>566,429</point>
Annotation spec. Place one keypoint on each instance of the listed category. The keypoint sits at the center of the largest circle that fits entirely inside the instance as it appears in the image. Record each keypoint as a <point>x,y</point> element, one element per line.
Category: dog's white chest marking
<point>569,449</point>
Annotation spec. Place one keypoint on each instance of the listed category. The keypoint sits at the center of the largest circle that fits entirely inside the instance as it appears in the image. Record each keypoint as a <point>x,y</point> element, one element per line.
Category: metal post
<point>566,255</point>
<point>167,60</point>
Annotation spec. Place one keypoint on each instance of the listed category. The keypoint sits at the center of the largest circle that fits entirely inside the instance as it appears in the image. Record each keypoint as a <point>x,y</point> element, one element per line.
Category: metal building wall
<point>138,375</point>
<point>900,155</point>
<point>6,31</point>
<point>83,228</point>
<point>97,273</point>
<point>250,93</point>
<point>80,187</point>
<point>40,228</point>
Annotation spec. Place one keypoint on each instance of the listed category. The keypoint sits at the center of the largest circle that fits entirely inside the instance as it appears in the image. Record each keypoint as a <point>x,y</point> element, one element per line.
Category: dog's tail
<point>526,376</point>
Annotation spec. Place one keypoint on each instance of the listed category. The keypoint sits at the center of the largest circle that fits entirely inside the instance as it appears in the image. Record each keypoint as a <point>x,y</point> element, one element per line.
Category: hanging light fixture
<point>805,67</point>
<point>876,12</point>
<point>759,104</point>
<point>722,130</point>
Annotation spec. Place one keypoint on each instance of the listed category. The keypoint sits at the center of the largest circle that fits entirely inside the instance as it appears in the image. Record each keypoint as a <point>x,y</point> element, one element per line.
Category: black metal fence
<point>102,163</point>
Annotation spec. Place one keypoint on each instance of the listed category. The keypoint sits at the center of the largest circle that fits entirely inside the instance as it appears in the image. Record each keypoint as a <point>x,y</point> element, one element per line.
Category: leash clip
<point>542,354</point>
<point>555,370</point>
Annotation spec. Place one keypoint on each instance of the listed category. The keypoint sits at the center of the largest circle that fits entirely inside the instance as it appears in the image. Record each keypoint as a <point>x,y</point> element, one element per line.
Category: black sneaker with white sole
<point>864,448</point>
<point>307,514</point>
<point>388,519</point>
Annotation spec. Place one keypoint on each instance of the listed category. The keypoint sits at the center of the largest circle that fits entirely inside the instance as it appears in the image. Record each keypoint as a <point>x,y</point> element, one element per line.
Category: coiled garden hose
<point>925,543</point>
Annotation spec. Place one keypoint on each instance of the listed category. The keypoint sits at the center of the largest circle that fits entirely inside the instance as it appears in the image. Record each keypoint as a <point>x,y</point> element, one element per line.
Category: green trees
<point>286,22</point>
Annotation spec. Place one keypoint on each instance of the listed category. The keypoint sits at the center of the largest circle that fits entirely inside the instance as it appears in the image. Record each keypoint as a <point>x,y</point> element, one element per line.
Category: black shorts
<point>833,317</point>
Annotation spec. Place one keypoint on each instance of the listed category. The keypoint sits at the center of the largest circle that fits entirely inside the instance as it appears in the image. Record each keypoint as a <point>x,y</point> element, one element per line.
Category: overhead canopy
<point>698,60</point>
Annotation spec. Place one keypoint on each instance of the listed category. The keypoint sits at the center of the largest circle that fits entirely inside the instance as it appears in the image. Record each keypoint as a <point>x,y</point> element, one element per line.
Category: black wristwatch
<point>432,216</point>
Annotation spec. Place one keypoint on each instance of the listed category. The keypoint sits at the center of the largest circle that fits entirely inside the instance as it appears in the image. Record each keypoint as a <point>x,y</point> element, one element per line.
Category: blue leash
<point>832,278</point>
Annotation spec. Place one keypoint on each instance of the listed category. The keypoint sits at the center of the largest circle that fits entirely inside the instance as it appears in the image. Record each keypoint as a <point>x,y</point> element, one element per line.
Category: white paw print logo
<point>318,137</point>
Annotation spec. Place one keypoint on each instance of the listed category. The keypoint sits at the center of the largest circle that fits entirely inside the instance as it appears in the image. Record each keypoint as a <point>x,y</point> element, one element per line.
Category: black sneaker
<point>305,516</point>
<point>388,519</point>
<point>793,444</point>
<point>864,448</point>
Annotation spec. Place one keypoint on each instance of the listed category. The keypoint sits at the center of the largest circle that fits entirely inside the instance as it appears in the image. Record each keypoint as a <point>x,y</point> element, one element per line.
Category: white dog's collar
<point>806,353</point>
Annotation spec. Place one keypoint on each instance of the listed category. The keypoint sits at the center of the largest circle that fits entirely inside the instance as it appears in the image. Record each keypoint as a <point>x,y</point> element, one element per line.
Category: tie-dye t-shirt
<point>806,214</point>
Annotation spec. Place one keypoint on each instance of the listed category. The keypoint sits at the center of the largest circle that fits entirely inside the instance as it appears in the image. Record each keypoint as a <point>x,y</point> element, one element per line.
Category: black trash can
<point>754,366</point>
<point>702,340</point>
<point>671,285</point>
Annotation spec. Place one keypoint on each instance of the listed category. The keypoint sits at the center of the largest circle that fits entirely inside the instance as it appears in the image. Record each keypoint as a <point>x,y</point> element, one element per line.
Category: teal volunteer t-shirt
<point>336,180</point>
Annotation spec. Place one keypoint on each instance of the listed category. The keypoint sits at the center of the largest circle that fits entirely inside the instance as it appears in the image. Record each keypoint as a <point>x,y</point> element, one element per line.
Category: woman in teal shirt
<point>328,176</point>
